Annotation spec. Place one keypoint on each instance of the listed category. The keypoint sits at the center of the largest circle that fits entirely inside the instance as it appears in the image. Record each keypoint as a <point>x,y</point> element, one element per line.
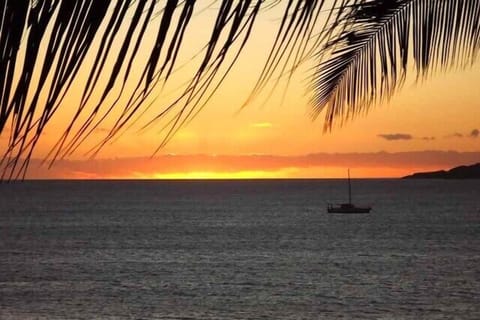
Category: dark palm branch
<point>116,31</point>
<point>375,42</point>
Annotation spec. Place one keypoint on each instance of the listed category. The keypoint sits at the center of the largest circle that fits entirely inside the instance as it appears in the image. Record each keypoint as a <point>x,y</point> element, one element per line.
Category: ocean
<point>262,249</point>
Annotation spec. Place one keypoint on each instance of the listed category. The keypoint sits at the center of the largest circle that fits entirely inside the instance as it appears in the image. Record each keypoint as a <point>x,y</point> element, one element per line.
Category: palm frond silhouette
<point>375,41</point>
<point>47,44</point>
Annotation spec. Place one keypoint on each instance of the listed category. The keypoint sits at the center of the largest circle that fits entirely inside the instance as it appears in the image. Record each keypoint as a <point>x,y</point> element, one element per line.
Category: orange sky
<point>442,114</point>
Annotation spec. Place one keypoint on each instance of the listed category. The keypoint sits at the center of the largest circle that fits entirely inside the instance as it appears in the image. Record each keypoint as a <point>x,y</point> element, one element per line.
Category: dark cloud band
<point>396,136</point>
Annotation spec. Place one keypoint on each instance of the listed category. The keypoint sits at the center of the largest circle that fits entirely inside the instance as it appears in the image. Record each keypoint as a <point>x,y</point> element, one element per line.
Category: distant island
<point>461,172</point>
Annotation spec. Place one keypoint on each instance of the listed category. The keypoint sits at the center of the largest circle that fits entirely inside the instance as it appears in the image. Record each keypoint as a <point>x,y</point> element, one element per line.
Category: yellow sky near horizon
<point>441,113</point>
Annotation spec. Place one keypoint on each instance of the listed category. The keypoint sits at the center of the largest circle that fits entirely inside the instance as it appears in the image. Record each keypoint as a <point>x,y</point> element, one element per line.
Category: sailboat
<point>348,207</point>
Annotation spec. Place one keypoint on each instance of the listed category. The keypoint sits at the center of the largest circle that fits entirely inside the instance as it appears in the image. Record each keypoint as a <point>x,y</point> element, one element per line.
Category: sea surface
<point>239,250</point>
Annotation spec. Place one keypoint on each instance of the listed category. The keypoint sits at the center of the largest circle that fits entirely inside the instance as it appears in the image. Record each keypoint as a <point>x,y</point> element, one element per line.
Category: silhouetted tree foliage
<point>362,49</point>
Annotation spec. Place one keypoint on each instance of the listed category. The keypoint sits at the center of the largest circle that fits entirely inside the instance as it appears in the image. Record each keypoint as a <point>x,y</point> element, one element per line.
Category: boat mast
<point>349,188</point>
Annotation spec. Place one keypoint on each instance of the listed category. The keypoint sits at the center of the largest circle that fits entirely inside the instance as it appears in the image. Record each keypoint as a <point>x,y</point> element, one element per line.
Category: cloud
<point>102,130</point>
<point>396,136</point>
<point>475,133</point>
<point>455,135</point>
<point>404,136</point>
<point>262,125</point>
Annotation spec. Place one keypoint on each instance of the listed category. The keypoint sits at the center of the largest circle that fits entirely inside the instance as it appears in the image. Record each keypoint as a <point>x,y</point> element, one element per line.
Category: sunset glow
<point>211,175</point>
<point>203,166</point>
<point>441,114</point>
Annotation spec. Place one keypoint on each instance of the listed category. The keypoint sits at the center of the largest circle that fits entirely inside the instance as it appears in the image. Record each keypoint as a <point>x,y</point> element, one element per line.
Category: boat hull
<point>347,208</point>
<point>349,211</point>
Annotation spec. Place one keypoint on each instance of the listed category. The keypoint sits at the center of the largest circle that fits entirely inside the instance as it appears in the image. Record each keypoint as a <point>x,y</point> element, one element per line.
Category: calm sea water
<point>239,250</point>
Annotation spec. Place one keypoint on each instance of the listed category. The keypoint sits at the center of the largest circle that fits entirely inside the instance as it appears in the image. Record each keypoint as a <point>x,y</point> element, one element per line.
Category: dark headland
<point>462,172</point>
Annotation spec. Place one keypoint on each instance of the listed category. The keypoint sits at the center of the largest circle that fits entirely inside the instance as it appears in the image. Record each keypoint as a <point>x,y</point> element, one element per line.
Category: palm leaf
<point>72,30</point>
<point>375,43</point>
